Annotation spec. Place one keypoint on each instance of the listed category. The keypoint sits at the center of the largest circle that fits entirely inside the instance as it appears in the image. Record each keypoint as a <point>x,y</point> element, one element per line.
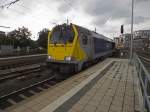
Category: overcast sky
<point>105,15</point>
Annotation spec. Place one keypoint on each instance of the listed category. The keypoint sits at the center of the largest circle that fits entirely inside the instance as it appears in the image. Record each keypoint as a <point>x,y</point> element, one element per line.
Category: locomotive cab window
<point>62,34</point>
<point>85,40</point>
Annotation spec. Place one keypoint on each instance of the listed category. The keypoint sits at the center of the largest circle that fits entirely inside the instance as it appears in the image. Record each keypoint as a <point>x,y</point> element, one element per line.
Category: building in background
<point>6,46</point>
<point>142,34</point>
<point>118,42</point>
<point>2,37</point>
<point>139,44</point>
<point>127,40</point>
<point>2,34</point>
<point>141,39</point>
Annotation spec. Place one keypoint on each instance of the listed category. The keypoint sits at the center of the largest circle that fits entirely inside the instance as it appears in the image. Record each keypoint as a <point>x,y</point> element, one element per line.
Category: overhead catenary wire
<point>13,2</point>
<point>7,5</point>
<point>21,6</point>
<point>29,9</point>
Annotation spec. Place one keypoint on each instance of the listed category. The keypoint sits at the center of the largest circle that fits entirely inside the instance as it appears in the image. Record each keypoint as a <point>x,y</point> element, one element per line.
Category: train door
<point>86,43</point>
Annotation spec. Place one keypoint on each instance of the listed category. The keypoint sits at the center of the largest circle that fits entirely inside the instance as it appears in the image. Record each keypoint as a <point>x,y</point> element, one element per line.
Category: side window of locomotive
<point>85,40</point>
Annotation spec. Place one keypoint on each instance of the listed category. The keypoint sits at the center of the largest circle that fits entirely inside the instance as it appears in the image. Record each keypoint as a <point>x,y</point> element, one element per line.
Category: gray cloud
<point>112,8</point>
<point>139,1</point>
<point>101,11</point>
<point>68,5</point>
<point>100,20</point>
<point>137,20</point>
<point>64,8</point>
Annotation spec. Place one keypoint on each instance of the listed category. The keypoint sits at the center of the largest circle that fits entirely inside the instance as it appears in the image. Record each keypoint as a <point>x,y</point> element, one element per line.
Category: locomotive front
<point>64,51</point>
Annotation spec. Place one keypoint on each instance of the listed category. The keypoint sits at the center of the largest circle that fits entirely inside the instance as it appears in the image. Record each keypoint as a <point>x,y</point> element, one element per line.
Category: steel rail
<point>14,62</point>
<point>20,73</point>
<point>25,88</point>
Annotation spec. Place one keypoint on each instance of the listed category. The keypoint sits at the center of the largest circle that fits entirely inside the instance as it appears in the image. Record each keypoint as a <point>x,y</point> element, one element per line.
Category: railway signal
<point>122,29</point>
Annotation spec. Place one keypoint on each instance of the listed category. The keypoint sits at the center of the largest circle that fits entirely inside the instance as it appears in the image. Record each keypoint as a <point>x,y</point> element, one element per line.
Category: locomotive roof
<point>87,31</point>
<point>101,36</point>
<point>94,34</point>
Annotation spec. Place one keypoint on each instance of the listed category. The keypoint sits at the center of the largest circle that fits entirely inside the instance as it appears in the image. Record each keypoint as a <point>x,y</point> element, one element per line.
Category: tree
<point>20,36</point>
<point>33,44</point>
<point>4,40</point>
<point>43,37</point>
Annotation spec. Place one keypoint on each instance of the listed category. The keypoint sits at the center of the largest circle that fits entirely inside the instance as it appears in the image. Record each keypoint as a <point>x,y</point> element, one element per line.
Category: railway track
<point>14,97</point>
<point>145,53</point>
<point>20,71</point>
<point>13,62</point>
<point>14,67</point>
<point>19,83</point>
<point>20,74</point>
<point>21,94</point>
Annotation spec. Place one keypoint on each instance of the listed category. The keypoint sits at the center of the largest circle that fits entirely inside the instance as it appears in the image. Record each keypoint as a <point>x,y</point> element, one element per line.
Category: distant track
<point>19,71</point>
<point>12,62</point>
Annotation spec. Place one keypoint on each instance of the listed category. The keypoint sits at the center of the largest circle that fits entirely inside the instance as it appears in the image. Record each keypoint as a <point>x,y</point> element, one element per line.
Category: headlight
<point>49,57</point>
<point>68,58</point>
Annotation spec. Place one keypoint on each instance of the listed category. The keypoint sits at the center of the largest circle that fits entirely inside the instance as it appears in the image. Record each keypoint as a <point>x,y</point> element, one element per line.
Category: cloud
<point>139,1</point>
<point>106,16</point>
<point>112,8</point>
<point>64,8</point>
<point>137,20</point>
<point>110,11</point>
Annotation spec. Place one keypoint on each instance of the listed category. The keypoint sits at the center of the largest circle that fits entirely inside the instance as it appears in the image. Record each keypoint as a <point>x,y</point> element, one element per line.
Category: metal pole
<point>131,45</point>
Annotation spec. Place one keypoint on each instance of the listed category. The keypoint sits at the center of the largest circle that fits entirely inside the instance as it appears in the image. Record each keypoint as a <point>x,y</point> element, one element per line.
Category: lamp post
<point>131,44</point>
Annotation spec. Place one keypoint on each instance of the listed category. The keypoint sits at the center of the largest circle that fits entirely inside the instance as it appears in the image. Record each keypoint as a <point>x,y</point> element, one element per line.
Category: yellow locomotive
<point>70,47</point>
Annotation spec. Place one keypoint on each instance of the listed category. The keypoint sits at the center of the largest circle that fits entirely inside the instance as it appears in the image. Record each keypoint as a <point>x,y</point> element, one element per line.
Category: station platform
<point>109,86</point>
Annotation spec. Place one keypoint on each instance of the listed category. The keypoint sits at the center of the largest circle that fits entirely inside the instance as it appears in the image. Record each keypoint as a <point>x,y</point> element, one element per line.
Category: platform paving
<point>116,91</point>
<point>109,86</point>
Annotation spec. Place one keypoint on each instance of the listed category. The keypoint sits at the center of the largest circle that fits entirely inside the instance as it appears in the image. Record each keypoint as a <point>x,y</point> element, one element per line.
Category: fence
<point>144,77</point>
<point>21,52</point>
